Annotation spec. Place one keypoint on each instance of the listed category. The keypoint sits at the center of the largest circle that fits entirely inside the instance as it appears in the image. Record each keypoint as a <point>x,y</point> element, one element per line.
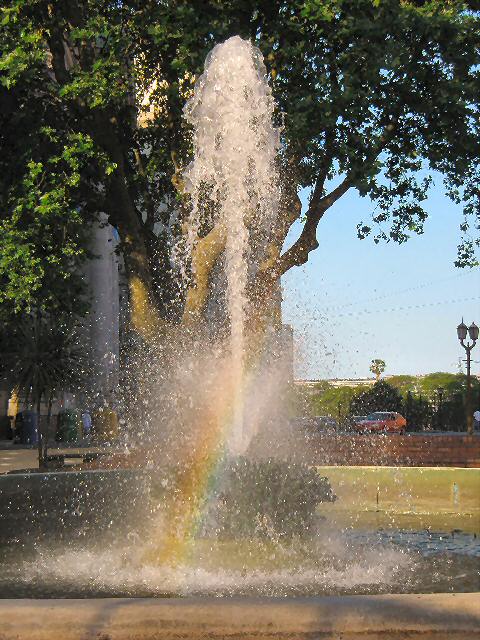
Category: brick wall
<point>411,450</point>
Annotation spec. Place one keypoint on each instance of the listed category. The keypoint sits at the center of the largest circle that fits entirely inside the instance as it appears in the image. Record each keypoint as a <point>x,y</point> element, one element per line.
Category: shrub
<point>267,498</point>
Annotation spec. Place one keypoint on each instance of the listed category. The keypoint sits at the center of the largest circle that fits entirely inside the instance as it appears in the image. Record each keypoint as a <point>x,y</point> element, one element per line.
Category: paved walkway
<point>16,459</point>
<point>21,457</point>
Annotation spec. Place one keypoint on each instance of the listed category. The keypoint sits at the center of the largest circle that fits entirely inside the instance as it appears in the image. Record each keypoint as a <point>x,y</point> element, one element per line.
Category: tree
<point>42,356</point>
<point>417,411</point>
<point>301,401</point>
<point>335,402</point>
<point>446,392</point>
<point>452,414</point>
<point>380,397</point>
<point>404,383</point>
<point>372,95</point>
<point>451,383</point>
<point>377,367</point>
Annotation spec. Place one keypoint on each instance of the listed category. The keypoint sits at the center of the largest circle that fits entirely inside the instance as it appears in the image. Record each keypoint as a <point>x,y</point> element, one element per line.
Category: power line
<point>411,307</point>
<point>400,292</point>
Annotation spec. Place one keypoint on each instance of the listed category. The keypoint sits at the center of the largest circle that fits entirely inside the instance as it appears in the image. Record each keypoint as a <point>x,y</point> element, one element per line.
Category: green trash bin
<point>104,425</point>
<point>68,422</point>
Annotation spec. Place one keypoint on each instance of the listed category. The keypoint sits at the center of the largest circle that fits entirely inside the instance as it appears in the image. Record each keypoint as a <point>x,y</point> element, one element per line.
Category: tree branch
<point>325,165</point>
<point>56,44</point>
<point>298,253</point>
<point>149,203</point>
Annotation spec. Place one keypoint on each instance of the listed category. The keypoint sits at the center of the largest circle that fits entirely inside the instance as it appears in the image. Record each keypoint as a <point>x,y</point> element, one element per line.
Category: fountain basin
<point>69,504</point>
<point>84,535</point>
<point>438,616</point>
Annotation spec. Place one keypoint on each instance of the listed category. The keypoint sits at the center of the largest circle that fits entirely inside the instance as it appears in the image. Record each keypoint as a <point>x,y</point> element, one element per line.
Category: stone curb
<point>437,616</point>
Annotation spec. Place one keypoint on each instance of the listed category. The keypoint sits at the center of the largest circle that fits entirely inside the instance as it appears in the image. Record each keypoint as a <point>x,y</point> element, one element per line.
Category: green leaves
<point>320,10</point>
<point>43,236</point>
<point>380,397</point>
<point>103,84</point>
<point>381,91</point>
<point>43,354</point>
<point>16,61</point>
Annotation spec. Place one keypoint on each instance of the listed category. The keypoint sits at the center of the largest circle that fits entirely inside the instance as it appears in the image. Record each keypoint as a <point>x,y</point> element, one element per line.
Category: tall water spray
<point>235,145</point>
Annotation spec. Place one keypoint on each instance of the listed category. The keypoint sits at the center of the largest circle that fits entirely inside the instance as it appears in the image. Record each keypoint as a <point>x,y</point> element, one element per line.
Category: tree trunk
<point>205,255</point>
<point>40,435</point>
<point>47,429</point>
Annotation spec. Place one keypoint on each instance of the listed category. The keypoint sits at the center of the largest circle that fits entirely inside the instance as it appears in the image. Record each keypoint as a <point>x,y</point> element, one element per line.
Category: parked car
<point>315,423</point>
<point>324,422</point>
<point>301,423</point>
<point>381,422</point>
<point>356,419</point>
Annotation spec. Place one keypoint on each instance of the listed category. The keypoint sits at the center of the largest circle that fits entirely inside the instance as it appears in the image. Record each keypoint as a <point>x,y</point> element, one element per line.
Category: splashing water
<point>235,145</point>
<point>219,569</point>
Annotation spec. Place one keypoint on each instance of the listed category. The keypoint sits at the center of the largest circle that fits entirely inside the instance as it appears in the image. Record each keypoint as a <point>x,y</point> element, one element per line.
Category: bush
<point>268,498</point>
<point>417,412</point>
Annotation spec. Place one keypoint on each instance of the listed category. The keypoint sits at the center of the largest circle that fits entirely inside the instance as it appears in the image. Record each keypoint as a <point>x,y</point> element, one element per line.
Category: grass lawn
<point>405,497</point>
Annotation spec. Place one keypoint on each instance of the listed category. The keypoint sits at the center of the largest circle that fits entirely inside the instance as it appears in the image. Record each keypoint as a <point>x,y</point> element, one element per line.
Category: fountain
<point>235,148</point>
<point>214,505</point>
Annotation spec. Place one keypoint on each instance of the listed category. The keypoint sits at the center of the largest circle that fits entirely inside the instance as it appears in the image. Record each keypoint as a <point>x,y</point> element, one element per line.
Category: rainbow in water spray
<point>235,149</point>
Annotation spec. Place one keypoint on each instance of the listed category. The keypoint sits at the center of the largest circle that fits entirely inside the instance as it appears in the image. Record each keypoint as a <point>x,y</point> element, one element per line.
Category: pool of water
<point>333,561</point>
<point>94,535</point>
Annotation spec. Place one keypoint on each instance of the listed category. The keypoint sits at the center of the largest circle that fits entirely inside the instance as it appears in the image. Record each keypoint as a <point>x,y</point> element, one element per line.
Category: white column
<point>102,322</point>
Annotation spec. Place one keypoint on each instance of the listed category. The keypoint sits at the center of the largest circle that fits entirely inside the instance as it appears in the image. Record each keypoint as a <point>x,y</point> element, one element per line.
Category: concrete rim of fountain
<point>438,616</point>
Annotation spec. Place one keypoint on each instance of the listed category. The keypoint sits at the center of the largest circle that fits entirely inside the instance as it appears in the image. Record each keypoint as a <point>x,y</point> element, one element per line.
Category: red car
<point>381,422</point>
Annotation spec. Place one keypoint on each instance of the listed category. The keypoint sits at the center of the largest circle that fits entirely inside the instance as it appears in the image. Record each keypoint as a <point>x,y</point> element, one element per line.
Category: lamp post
<point>440,391</point>
<point>472,331</point>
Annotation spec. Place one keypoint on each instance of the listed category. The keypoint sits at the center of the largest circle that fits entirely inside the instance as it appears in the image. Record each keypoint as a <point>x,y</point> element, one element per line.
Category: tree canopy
<point>377,367</point>
<point>335,402</point>
<point>373,95</point>
<point>380,397</point>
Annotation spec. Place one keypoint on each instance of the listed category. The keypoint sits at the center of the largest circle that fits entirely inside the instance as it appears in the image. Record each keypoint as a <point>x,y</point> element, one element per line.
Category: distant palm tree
<point>377,367</point>
<point>43,356</point>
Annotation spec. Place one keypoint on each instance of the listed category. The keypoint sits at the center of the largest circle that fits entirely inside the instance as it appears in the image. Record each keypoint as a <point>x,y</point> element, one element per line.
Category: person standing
<point>476,419</point>
<point>86,423</point>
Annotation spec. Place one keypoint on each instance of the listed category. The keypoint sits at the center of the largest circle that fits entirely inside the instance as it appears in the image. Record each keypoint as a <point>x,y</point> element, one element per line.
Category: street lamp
<point>440,392</point>
<point>472,331</point>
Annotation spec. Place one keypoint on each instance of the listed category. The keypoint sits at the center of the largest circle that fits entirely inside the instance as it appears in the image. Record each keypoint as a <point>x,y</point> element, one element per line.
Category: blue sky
<point>356,300</point>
